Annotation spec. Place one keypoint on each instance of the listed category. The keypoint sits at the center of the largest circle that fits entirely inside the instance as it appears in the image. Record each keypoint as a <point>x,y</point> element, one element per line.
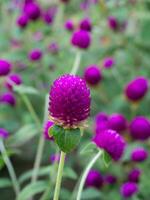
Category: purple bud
<point>102,116</point>
<point>113,23</point>
<point>48,124</point>
<point>4,133</point>
<point>92,75</point>
<point>69,25</point>
<point>134,175</point>
<point>8,98</point>
<point>86,24</point>
<point>5,67</point>
<point>139,154</point>
<point>53,48</point>
<point>110,179</point>
<point>128,189</point>
<point>35,55</point>
<point>48,16</point>
<point>13,79</point>
<point>94,179</point>
<point>32,10</point>
<point>108,62</point>
<point>22,21</point>
<point>69,101</point>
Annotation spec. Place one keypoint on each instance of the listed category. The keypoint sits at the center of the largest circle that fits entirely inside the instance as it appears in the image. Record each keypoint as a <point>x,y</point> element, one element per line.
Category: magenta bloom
<point>111,142</point>
<point>22,21</point>
<point>13,79</point>
<point>101,122</point>
<point>86,24</point>
<point>81,39</point>
<point>108,62</point>
<point>69,25</point>
<point>32,10</point>
<point>140,128</point>
<point>48,15</point>
<point>53,48</point>
<point>128,189</point>
<point>117,122</point>
<point>5,67</point>
<point>69,101</point>
<point>94,179</point>
<point>110,179</point>
<point>48,124</point>
<point>8,98</point>
<point>101,116</point>
<point>136,89</point>
<point>92,75</point>
<point>139,154</point>
<point>134,175</point>
<point>35,55</point>
<point>4,133</point>
<point>55,158</point>
<point>113,23</point>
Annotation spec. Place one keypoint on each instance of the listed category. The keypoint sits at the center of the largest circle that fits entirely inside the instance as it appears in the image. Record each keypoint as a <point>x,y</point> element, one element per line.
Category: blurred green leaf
<point>22,89</point>
<point>5,182</point>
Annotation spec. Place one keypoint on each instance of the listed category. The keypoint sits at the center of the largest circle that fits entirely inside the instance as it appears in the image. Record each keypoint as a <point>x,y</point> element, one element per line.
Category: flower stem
<point>76,63</point>
<point>10,168</point>
<point>59,175</point>
<point>83,179</point>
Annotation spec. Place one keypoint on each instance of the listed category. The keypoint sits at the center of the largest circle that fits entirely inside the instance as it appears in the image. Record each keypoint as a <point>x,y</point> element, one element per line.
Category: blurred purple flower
<point>22,21</point>
<point>8,98</point>
<point>13,79</point>
<point>139,154</point>
<point>92,75</point>
<point>108,62</point>
<point>85,24</point>
<point>35,55</point>
<point>69,25</point>
<point>53,48</point>
<point>94,179</point>
<point>128,189</point>
<point>134,175</point>
<point>4,133</point>
<point>5,67</point>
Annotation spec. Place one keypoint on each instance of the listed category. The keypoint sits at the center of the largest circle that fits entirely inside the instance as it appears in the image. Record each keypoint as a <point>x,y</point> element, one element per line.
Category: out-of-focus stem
<point>76,64</point>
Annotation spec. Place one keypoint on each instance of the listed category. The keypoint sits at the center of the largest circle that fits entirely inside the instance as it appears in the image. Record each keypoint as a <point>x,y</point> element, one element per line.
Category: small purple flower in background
<point>48,15</point>
<point>8,98</point>
<point>139,154</point>
<point>140,128</point>
<point>85,24</point>
<point>13,79</point>
<point>134,175</point>
<point>101,122</point>
<point>38,36</point>
<point>4,133</point>
<point>81,39</point>
<point>137,89</point>
<point>35,55</point>
<point>32,10</point>
<point>69,25</point>
<point>92,75</point>
<point>113,23</point>
<point>94,179</point>
<point>102,116</point>
<point>5,67</point>
<point>111,142</point>
<point>128,189</point>
<point>69,104</point>
<point>108,62</point>
<point>110,179</point>
<point>55,158</point>
<point>22,21</point>
<point>53,48</point>
<point>48,124</point>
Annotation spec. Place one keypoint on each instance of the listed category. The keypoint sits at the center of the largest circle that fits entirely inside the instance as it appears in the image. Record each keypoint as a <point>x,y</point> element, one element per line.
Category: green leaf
<point>91,193</point>
<point>67,139</point>
<point>89,148</point>
<point>23,89</point>
<point>107,158</point>
<point>5,182</point>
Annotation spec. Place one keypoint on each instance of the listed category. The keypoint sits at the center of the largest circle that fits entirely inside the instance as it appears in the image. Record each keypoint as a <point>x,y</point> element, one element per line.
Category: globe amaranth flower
<point>4,133</point>
<point>32,10</point>
<point>85,24</point>
<point>8,98</point>
<point>69,25</point>
<point>111,142</point>
<point>113,23</point>
<point>136,89</point>
<point>22,21</point>
<point>134,175</point>
<point>140,128</point>
<point>48,124</point>
<point>35,55</point>
<point>94,179</point>
<point>69,104</point>
<point>139,154</point>
<point>117,122</point>
<point>5,67</point>
<point>48,15</point>
<point>110,179</point>
<point>128,189</point>
<point>53,48</point>
<point>81,39</point>
<point>101,122</point>
<point>108,62</point>
<point>92,75</point>
<point>13,79</point>
<point>101,116</point>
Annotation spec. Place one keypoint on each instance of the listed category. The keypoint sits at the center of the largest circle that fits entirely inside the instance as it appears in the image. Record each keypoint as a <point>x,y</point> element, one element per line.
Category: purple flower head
<point>69,25</point>
<point>32,10</point>
<point>140,128</point>
<point>117,122</point>
<point>69,101</point>
<point>86,24</point>
<point>13,79</point>
<point>128,189</point>
<point>48,124</point>
<point>35,55</point>
<point>53,48</point>
<point>113,23</point>
<point>136,89</point>
<point>22,21</point>
<point>111,142</point>
<point>108,62</point>
<point>110,179</point>
<point>54,158</point>
<point>92,75</point>
<point>139,154</point>
<point>101,116</point>
<point>81,39</point>
<point>48,15</point>
<point>4,133</point>
<point>94,179</point>
<point>101,122</point>
<point>134,175</point>
<point>5,67</point>
<point>8,98</point>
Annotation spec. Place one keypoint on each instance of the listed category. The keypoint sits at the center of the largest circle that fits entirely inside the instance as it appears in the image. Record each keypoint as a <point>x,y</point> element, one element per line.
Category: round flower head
<point>69,101</point>
<point>55,158</point>
<point>5,67</point>
<point>35,55</point>
<point>32,10</point>
<point>53,48</point>
<point>139,154</point>
<point>102,116</point>
<point>136,89</point>
<point>8,98</point>
<point>140,128</point>
<point>101,122</point>
<point>117,122</point>
<point>134,175</point>
<point>128,189</point>
<point>108,62</point>
<point>48,15</point>
<point>110,179</point>
<point>85,24</point>
<point>22,21</point>
<point>94,179</point>
<point>81,39</point>
<point>48,124</point>
<point>113,23</point>
<point>13,79</point>
<point>111,142</point>
<point>69,25</point>
<point>92,75</point>
<point>4,133</point>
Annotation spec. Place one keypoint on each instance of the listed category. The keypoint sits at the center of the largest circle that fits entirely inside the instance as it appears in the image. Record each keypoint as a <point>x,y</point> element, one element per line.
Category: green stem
<point>10,168</point>
<point>76,63</point>
<point>83,179</point>
<point>59,175</point>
